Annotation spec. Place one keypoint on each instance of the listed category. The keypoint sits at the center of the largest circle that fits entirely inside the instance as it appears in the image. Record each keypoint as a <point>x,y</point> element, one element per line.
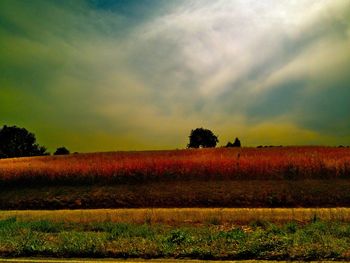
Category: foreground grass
<point>259,240</point>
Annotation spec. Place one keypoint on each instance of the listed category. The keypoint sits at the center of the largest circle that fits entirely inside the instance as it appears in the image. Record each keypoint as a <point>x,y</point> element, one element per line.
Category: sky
<point>104,75</point>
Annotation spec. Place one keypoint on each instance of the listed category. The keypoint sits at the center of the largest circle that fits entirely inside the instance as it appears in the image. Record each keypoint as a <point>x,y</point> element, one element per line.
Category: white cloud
<point>221,42</point>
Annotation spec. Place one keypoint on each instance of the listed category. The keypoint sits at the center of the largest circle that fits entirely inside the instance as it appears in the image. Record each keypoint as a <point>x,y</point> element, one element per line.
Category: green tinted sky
<point>116,75</point>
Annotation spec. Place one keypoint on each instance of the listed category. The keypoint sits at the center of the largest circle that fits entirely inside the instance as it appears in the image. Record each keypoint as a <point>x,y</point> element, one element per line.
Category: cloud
<point>228,58</point>
<point>141,76</point>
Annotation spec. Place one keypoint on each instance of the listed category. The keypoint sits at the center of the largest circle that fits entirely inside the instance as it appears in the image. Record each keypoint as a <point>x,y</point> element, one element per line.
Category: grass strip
<point>317,240</point>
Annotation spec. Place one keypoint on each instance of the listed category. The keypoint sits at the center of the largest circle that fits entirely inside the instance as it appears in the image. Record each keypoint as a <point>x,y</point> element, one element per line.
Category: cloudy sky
<point>99,75</point>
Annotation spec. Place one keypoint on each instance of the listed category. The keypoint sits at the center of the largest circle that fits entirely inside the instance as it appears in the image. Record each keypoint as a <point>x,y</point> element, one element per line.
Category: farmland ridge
<point>243,177</point>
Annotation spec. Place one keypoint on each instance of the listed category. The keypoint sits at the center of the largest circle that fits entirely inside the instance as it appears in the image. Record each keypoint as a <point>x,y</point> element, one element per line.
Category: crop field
<point>275,163</point>
<point>246,177</point>
<point>276,203</point>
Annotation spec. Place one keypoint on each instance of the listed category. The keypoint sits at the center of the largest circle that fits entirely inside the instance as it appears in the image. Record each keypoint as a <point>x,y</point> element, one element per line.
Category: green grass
<point>316,240</point>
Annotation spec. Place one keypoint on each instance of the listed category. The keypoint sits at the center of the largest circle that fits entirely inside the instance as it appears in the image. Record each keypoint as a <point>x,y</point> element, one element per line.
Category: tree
<point>18,142</point>
<point>236,143</point>
<point>61,151</point>
<point>202,138</point>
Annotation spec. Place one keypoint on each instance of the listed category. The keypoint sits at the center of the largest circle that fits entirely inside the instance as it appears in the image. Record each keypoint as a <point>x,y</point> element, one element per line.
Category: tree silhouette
<point>236,143</point>
<point>61,151</point>
<point>202,138</point>
<point>18,142</point>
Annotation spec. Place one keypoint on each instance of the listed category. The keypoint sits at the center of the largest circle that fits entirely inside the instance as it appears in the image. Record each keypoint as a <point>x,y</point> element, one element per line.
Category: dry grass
<point>276,163</point>
<point>176,216</point>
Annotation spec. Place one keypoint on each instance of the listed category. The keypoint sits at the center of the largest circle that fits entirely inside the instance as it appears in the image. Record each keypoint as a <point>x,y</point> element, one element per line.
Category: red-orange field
<point>277,163</point>
<point>223,177</point>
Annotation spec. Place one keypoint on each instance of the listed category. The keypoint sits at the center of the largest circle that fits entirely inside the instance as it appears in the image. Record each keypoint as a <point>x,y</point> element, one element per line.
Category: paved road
<point>106,261</point>
<point>28,260</point>
<point>95,260</point>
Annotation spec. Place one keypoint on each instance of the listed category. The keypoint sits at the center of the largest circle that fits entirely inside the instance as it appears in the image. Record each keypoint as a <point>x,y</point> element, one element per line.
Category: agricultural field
<point>243,177</point>
<point>275,163</point>
<point>276,203</point>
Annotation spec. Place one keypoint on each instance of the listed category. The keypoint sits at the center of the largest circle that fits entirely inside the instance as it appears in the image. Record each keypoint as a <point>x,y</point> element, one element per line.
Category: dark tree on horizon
<point>18,142</point>
<point>236,143</point>
<point>61,151</point>
<point>201,137</point>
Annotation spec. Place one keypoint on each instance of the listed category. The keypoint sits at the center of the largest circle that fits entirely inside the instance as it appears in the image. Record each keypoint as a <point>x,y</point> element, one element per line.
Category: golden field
<point>179,216</point>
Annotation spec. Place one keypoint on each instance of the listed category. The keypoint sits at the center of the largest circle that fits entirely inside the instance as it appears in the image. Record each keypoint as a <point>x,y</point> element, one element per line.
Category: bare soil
<point>210,193</point>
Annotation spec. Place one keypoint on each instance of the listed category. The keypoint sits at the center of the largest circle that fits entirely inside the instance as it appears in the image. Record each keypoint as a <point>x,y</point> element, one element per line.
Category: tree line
<point>19,142</point>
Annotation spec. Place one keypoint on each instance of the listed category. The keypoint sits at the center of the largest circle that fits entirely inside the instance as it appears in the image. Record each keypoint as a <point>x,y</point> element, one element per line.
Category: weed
<point>291,227</point>
<point>178,237</point>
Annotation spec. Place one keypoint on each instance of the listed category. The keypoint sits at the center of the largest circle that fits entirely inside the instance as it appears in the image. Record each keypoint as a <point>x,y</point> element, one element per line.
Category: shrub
<point>61,151</point>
